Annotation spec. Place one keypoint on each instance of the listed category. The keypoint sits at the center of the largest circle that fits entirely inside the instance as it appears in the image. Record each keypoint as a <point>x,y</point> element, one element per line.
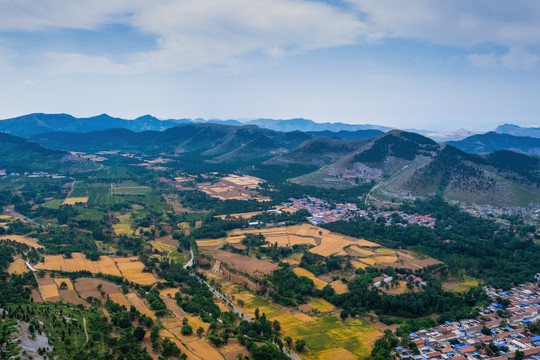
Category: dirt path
<point>85,331</point>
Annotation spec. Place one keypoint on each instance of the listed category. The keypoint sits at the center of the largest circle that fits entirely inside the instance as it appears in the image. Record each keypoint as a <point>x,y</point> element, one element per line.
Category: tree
<point>486,331</point>
<point>288,340</point>
<point>63,285</point>
<point>300,344</point>
<point>276,325</point>
<point>200,330</point>
<point>520,355</point>
<point>187,330</point>
<point>139,333</point>
<point>154,334</point>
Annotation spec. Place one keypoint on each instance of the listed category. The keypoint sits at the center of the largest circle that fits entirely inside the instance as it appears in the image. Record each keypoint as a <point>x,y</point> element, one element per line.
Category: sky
<point>425,64</point>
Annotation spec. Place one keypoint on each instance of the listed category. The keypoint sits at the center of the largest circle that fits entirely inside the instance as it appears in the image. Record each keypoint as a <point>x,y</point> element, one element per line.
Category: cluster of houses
<point>323,212</point>
<point>3,172</point>
<point>500,332</point>
<point>422,220</point>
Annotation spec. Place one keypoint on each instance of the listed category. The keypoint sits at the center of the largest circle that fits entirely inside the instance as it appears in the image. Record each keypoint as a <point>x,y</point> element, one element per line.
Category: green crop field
<point>53,204</point>
<point>89,214</point>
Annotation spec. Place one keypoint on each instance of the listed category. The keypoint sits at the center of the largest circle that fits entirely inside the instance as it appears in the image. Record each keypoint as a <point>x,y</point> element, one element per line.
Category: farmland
<point>75,200</point>
<point>327,336</point>
<point>319,284</point>
<point>245,263</point>
<point>130,268</point>
<point>124,225</point>
<point>17,267</point>
<point>234,187</point>
<point>129,188</point>
<point>23,240</point>
<point>362,253</point>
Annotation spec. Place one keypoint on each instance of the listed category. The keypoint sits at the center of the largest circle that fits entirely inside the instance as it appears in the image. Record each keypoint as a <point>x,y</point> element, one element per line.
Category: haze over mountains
<point>39,123</point>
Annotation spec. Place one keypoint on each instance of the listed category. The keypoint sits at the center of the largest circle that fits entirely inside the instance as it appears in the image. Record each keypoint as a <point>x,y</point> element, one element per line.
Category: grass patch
<point>321,305</point>
<point>468,283</point>
<point>53,204</point>
<point>124,227</point>
<point>89,214</point>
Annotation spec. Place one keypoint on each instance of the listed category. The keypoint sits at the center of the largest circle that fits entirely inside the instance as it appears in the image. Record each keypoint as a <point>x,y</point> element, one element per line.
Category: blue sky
<point>439,65</point>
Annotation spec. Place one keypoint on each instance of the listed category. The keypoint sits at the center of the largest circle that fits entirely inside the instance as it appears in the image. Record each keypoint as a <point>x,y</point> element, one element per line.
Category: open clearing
<point>17,267</point>
<point>130,268</point>
<point>339,287</point>
<point>75,200</point>
<point>234,187</point>
<point>23,240</point>
<point>411,260</point>
<point>458,285</point>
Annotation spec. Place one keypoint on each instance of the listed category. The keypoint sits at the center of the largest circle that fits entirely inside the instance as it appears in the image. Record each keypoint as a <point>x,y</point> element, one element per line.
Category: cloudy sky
<point>441,64</point>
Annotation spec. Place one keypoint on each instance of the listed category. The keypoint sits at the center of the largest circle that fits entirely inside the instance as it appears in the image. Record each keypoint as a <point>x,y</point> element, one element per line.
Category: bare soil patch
<point>245,263</point>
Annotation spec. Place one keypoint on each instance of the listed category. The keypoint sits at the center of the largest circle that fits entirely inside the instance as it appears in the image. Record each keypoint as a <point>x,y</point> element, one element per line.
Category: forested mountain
<point>19,155</point>
<point>492,141</point>
<point>212,141</point>
<point>408,165</point>
<point>347,135</point>
<point>401,164</point>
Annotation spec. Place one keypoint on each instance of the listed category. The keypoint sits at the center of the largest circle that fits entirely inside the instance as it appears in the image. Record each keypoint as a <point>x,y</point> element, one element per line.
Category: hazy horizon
<point>439,65</point>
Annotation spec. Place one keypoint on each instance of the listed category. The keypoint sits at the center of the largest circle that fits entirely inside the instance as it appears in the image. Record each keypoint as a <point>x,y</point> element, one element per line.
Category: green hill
<point>20,155</point>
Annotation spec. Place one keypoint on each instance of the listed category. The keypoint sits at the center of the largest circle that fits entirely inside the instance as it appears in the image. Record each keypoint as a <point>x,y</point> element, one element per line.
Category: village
<point>323,212</point>
<point>501,331</point>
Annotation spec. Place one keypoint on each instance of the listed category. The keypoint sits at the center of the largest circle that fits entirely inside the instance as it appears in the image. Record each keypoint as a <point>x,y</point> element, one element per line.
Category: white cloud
<point>206,33</point>
<point>191,33</point>
<point>514,59</point>
<point>37,15</point>
<point>461,23</point>
<point>484,60</point>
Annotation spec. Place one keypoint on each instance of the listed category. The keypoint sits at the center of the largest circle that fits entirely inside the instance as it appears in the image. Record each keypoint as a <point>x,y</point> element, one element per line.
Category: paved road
<point>14,213</point>
<point>29,266</point>
<point>190,262</point>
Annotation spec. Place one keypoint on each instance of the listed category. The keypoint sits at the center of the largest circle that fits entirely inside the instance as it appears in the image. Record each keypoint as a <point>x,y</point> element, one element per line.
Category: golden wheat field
<point>319,284</point>
<point>75,200</point>
<point>130,268</point>
<point>23,240</point>
<point>17,267</point>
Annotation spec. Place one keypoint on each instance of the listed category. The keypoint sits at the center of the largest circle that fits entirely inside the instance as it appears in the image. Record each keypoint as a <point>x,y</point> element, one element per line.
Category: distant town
<point>323,212</point>
<point>499,332</point>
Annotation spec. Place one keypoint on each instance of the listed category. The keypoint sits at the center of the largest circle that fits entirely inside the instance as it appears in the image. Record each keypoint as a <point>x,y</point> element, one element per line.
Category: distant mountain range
<point>39,123</point>
<point>492,141</point>
<point>518,130</point>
